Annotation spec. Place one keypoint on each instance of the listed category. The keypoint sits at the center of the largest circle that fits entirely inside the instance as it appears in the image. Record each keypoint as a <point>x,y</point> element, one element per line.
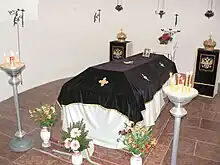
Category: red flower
<point>137,146</point>
<point>166,36</point>
<point>141,150</point>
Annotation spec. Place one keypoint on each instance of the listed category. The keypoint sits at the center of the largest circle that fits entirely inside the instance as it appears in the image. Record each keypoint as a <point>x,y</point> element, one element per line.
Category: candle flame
<point>11,52</point>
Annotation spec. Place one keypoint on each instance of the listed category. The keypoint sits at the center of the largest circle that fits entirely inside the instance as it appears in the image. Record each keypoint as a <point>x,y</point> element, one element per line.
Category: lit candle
<point>174,80</point>
<point>17,57</point>
<point>187,79</point>
<point>171,74</point>
<point>12,58</point>
<point>178,79</point>
<point>12,53</point>
<point>190,78</point>
<point>5,58</point>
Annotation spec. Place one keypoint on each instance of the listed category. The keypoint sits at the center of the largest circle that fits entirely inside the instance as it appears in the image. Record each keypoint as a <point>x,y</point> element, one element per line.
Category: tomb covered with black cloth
<point>124,85</point>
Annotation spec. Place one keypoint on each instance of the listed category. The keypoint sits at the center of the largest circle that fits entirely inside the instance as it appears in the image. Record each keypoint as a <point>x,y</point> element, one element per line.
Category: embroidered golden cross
<point>103,82</point>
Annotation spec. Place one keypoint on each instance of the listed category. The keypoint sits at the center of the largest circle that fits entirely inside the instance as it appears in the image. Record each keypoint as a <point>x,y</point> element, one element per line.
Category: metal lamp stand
<point>178,111</point>
<point>19,143</point>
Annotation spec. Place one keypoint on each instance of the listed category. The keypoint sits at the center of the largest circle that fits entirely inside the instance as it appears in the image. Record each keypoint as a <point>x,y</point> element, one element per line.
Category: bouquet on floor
<point>46,115</point>
<point>75,139</point>
<point>136,139</point>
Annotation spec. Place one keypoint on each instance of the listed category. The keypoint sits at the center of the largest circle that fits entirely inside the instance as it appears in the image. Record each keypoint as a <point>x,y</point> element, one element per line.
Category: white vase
<point>136,159</point>
<point>77,158</point>
<point>45,136</point>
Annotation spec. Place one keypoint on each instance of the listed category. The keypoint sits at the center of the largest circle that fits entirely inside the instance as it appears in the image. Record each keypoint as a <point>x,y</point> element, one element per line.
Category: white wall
<point>64,40</point>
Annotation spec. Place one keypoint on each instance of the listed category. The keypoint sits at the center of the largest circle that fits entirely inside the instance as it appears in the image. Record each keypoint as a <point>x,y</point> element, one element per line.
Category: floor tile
<point>60,162</point>
<point>200,124</point>
<point>4,161</point>
<point>208,151</point>
<point>116,156</point>
<point>5,149</point>
<point>200,134</point>
<point>210,125</point>
<point>217,117</point>
<point>184,159</point>
<point>165,139</point>
<point>189,120</point>
<point>163,119</point>
<point>186,146</point>
<point>157,154</point>
<point>4,141</point>
<point>9,127</point>
<point>34,157</point>
<point>198,112</point>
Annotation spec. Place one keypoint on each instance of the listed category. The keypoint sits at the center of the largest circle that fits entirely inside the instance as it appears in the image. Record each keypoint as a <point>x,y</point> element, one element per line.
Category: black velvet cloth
<point>130,85</point>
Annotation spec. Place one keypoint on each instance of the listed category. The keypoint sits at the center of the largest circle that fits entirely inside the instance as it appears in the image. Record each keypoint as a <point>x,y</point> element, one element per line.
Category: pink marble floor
<point>199,142</point>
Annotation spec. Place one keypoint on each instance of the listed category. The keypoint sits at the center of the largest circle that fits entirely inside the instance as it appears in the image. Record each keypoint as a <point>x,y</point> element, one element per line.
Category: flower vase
<point>45,136</point>
<point>136,159</point>
<point>77,158</point>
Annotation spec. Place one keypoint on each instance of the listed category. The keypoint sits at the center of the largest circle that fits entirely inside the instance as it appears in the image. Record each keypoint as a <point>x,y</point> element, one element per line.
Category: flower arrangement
<point>46,115</point>
<point>136,139</point>
<point>165,38</point>
<point>75,139</point>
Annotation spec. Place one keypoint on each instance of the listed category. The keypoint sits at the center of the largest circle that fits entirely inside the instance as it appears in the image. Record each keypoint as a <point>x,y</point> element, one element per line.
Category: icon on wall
<point>97,16</point>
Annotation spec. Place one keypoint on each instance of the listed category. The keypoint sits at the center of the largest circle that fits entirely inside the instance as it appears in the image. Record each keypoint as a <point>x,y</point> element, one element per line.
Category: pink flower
<point>74,145</point>
<point>67,143</point>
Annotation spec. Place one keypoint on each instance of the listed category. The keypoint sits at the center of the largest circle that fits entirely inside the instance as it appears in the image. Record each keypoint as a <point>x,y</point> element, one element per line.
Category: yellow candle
<point>182,85</point>
<point>178,79</point>
<point>190,87</point>
<point>171,74</point>
<point>187,79</point>
<point>190,78</point>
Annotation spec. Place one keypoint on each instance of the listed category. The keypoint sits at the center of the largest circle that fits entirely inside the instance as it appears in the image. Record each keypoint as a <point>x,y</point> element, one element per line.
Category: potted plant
<point>76,141</point>
<point>136,139</point>
<point>46,115</point>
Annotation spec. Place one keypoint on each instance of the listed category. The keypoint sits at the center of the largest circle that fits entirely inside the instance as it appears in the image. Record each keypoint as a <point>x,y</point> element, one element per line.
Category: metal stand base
<point>20,144</point>
<point>20,134</point>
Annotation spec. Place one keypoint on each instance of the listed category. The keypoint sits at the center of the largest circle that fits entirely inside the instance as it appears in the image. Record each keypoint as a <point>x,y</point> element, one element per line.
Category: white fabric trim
<point>103,124</point>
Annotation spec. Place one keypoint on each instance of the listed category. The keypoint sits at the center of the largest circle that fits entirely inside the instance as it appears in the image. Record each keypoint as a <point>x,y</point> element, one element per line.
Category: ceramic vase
<point>45,136</point>
<point>77,158</point>
<point>136,159</point>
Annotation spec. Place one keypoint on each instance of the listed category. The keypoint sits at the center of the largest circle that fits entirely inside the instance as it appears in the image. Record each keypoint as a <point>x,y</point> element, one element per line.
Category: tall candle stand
<point>19,143</point>
<point>179,99</point>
